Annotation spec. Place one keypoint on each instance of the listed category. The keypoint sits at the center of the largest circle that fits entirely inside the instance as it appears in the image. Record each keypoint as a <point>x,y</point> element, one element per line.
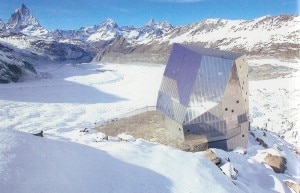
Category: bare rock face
<point>293,185</point>
<point>277,163</point>
<point>12,67</point>
<point>261,142</point>
<point>121,51</point>
<point>209,154</point>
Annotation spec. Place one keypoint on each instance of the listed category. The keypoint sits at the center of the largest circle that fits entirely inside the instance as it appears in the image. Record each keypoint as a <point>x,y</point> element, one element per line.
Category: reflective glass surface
<point>206,91</point>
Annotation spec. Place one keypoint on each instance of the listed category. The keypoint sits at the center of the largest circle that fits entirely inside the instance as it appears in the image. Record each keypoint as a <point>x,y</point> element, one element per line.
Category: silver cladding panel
<point>211,81</point>
<point>183,67</point>
<point>207,95</point>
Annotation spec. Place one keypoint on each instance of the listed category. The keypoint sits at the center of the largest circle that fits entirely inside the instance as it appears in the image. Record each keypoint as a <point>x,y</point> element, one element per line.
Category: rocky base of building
<point>150,126</point>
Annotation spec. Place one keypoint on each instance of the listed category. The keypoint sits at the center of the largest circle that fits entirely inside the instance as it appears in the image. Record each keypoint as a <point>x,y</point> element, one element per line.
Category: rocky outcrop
<point>293,185</point>
<point>11,67</point>
<point>261,142</point>
<point>277,163</point>
<point>121,51</point>
<point>62,52</point>
<point>16,62</point>
<point>36,50</point>
<point>209,154</point>
<point>2,26</point>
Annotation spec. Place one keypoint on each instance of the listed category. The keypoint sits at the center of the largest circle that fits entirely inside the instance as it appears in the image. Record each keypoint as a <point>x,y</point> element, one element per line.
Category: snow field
<point>34,164</point>
<point>72,97</point>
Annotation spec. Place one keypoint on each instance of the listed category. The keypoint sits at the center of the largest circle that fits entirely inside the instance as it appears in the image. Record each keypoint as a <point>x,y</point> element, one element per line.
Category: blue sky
<point>73,14</point>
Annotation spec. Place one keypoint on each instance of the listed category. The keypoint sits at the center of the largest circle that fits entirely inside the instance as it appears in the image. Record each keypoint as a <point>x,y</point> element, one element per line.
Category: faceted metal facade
<point>205,91</point>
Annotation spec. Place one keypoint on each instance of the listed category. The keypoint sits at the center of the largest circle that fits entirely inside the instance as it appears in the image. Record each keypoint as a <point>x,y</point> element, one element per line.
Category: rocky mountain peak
<point>23,7</point>
<point>109,23</point>
<point>21,19</point>
<point>151,22</point>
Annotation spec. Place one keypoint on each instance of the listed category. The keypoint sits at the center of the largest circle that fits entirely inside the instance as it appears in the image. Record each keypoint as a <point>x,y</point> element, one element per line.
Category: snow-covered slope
<point>40,48</point>
<point>271,36</point>
<point>34,164</point>
<point>72,97</point>
<point>275,106</point>
<point>12,68</point>
<point>258,35</point>
<point>23,21</point>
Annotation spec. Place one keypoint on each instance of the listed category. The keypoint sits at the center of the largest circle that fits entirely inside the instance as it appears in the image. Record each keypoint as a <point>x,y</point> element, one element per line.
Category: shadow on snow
<point>47,165</point>
<point>57,89</point>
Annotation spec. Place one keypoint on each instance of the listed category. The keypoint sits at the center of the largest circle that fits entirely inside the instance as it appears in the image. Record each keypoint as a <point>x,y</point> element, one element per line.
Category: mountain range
<point>24,40</point>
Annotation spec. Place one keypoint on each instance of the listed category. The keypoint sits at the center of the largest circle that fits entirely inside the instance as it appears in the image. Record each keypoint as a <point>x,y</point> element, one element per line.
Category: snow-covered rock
<point>209,154</point>
<point>229,170</point>
<point>125,137</point>
<point>2,25</point>
<point>240,150</point>
<point>12,68</point>
<point>293,185</point>
<point>277,163</point>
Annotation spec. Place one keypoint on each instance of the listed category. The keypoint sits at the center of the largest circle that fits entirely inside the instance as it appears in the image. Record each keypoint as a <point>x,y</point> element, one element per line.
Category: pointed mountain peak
<point>21,16</point>
<point>110,23</point>
<point>23,10</point>
<point>109,20</point>
<point>151,22</point>
<point>23,6</point>
<point>23,21</point>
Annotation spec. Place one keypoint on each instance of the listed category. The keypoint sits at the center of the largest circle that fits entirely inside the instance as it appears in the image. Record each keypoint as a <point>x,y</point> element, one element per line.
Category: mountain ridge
<point>107,42</point>
<point>271,36</point>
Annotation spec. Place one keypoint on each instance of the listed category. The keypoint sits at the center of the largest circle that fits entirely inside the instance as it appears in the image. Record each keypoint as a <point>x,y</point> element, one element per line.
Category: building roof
<point>212,52</point>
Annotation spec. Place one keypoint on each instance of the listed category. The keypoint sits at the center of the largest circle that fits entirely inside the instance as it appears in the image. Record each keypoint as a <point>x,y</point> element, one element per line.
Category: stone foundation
<point>151,127</point>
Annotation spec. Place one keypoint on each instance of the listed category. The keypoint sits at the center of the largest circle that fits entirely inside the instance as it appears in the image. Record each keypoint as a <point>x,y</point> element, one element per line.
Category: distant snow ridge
<point>109,30</point>
<point>23,21</point>
<point>251,35</point>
